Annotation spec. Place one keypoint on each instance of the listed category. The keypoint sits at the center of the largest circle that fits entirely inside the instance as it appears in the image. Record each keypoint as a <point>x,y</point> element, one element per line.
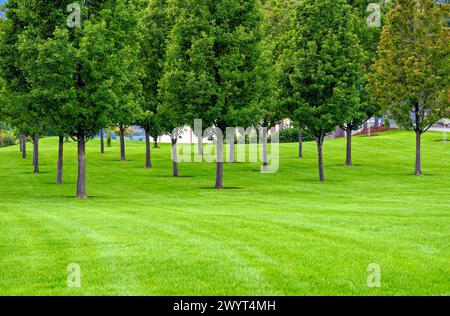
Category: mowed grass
<point>142,232</point>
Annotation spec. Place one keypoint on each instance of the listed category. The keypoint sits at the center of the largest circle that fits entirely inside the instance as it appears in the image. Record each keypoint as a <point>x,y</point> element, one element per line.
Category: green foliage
<point>411,75</point>
<point>370,36</point>
<point>122,28</point>
<point>77,79</point>
<point>323,66</point>
<point>21,100</point>
<point>290,135</point>
<point>7,138</point>
<point>154,27</point>
<point>213,63</point>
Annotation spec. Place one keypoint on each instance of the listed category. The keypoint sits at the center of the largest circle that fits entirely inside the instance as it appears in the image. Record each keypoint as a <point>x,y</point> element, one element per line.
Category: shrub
<point>290,135</point>
<point>7,139</point>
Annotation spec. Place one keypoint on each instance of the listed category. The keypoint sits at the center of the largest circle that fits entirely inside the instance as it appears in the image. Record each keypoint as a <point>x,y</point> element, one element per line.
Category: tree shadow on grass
<point>348,167</point>
<point>118,160</point>
<point>90,197</point>
<point>60,185</point>
<point>225,188</point>
<point>179,177</point>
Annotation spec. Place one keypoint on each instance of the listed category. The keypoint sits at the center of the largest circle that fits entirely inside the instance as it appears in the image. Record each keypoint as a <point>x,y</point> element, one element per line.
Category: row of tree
<point>162,64</point>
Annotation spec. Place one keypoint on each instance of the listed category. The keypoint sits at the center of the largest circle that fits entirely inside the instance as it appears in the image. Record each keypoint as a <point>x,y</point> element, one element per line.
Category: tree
<point>124,30</point>
<point>212,69</point>
<point>324,65</point>
<point>154,27</point>
<point>21,105</point>
<point>279,15</point>
<point>411,74</point>
<point>86,70</point>
<point>366,106</point>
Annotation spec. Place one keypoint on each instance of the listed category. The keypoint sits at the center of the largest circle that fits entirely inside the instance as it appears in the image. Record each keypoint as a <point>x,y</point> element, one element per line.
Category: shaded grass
<point>142,232</point>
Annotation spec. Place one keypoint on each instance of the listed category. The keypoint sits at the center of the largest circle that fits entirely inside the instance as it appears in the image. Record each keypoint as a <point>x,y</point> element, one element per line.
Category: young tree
<point>361,108</point>
<point>212,68</point>
<point>86,70</point>
<point>20,104</point>
<point>124,29</point>
<point>279,19</point>
<point>411,75</point>
<point>154,27</point>
<point>371,18</point>
<point>324,66</point>
<point>102,141</point>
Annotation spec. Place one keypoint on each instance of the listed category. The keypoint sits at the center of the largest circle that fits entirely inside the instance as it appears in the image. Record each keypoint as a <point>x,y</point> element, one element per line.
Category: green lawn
<point>143,232</point>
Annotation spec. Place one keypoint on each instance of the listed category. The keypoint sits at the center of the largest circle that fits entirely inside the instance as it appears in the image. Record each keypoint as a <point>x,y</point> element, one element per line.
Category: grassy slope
<point>144,232</point>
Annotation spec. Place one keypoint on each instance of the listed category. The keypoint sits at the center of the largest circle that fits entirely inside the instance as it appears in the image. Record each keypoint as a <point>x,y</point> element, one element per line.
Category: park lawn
<point>142,232</point>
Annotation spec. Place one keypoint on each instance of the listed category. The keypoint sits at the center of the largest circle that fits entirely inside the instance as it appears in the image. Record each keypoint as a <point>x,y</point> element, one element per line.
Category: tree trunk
<point>24,147</point>
<point>219,168</point>
<point>348,161</point>
<point>319,141</point>
<point>102,141</point>
<point>265,158</point>
<point>200,145</point>
<point>59,176</point>
<point>155,142</point>
<point>174,157</point>
<point>377,122</point>
<point>122,143</point>
<point>418,171</point>
<point>36,153</point>
<point>148,161</point>
<point>20,143</point>
<point>300,142</point>
<point>81,181</point>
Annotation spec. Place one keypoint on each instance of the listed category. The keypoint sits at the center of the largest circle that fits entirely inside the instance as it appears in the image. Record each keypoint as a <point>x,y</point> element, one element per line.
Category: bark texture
<point>418,170</point>
<point>59,175</point>
<point>148,161</point>
<point>122,143</point>
<point>36,153</point>
<point>219,167</point>
<point>102,141</point>
<point>81,181</point>
<point>319,141</point>
<point>24,147</point>
<point>300,142</point>
<point>348,160</point>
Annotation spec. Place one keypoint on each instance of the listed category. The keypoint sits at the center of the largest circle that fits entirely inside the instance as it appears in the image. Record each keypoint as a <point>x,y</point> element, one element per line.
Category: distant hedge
<point>7,138</point>
<point>290,135</point>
